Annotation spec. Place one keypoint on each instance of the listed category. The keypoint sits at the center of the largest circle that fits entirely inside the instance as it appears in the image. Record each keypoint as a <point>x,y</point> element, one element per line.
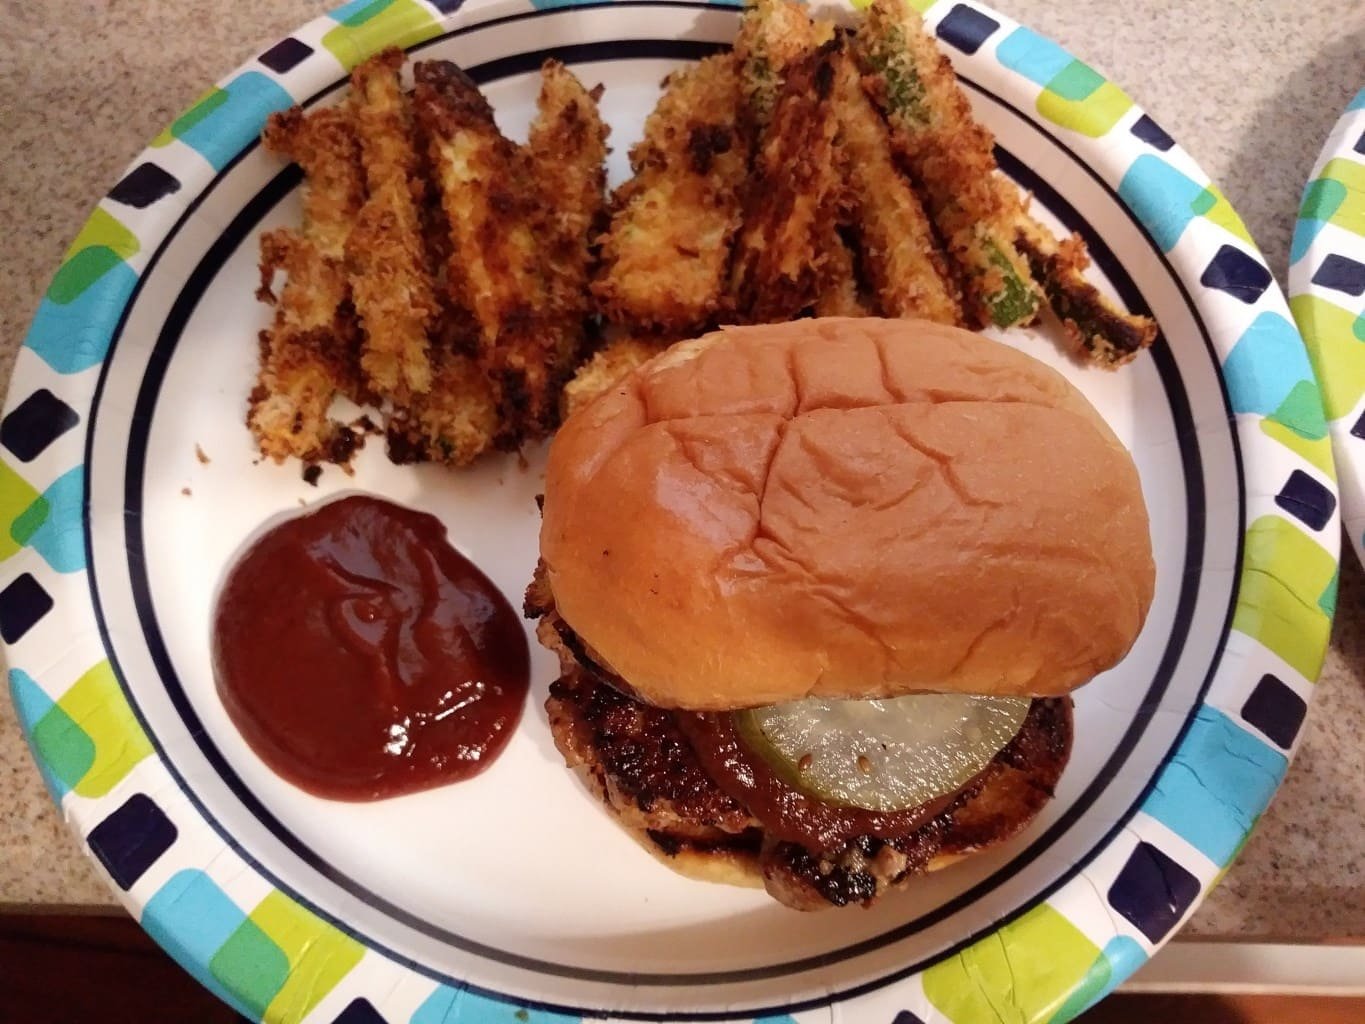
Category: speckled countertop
<point>1250,89</point>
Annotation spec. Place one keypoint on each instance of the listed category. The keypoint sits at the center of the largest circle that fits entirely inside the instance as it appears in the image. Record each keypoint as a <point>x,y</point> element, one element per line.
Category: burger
<point>820,592</point>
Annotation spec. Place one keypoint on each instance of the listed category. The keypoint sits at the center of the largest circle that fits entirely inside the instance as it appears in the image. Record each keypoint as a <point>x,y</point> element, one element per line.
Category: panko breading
<point>773,35</point>
<point>385,253</point>
<point>490,205</point>
<point>607,366</point>
<point>454,422</point>
<point>306,353</point>
<point>841,293</point>
<point>665,256</point>
<point>1099,329</point>
<point>567,149</point>
<point>324,143</point>
<point>793,200</point>
<point>951,159</point>
<point>900,254</point>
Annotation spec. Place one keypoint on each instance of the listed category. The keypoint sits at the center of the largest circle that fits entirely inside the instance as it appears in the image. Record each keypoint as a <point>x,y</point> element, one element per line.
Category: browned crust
<point>1099,330</point>
<point>386,257</point>
<point>666,252</point>
<point>491,209</point>
<point>793,200</point>
<point>901,256</point>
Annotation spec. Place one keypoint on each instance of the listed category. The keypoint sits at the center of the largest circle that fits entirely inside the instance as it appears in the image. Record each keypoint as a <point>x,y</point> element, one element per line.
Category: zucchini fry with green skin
<point>495,262</point>
<point>793,200</point>
<point>665,255</point>
<point>950,158</point>
<point>773,35</point>
<point>391,281</point>
<point>567,149</point>
<point>1101,332</point>
<point>309,353</point>
<point>900,255</point>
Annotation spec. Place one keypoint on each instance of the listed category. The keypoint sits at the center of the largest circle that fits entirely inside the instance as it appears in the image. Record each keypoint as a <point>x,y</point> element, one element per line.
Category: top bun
<point>845,508</point>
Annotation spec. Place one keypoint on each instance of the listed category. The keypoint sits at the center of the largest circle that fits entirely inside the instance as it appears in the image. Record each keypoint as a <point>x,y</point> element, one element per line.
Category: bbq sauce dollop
<point>362,656</point>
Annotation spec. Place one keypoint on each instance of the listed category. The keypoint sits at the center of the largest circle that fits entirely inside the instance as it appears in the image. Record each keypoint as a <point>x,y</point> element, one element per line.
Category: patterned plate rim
<point>1327,299</point>
<point>1047,964</point>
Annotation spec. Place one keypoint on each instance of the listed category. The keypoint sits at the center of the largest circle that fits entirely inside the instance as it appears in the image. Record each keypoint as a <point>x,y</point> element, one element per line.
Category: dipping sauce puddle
<point>362,656</point>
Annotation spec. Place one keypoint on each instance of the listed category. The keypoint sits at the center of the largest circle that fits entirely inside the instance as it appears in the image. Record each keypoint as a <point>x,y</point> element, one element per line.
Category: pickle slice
<point>882,755</point>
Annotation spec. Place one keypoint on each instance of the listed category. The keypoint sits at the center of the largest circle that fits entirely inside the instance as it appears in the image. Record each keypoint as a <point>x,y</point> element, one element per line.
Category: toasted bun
<point>848,508</point>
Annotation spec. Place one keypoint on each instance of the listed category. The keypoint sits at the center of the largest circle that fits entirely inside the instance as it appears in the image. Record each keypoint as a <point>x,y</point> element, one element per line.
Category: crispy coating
<point>489,200</point>
<point>308,354</point>
<point>900,255</point>
<point>664,257</point>
<point>385,253</point>
<point>567,149</point>
<point>773,35</point>
<point>607,366</point>
<point>951,160</point>
<point>1099,330</point>
<point>305,353</point>
<point>324,143</point>
<point>455,422</point>
<point>793,200</point>
<point>841,292</point>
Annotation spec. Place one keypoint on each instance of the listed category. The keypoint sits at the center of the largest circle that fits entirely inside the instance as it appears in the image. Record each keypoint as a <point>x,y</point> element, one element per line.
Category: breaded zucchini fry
<point>901,257</point>
<point>495,260</point>
<point>1102,332</point>
<point>793,200</point>
<point>773,35</point>
<point>951,159</point>
<point>385,253</point>
<point>567,148</point>
<point>840,292</point>
<point>309,352</point>
<point>665,255</point>
<point>306,353</point>
<point>322,142</point>
<point>607,366</point>
<point>455,422</point>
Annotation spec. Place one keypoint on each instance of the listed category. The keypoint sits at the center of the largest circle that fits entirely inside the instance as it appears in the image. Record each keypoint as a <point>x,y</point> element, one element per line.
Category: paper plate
<point>1327,296</point>
<point>129,481</point>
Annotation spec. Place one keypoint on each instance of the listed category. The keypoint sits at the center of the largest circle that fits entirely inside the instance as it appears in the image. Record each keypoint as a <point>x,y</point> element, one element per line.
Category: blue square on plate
<point>1152,892</point>
<point>144,185</point>
<point>1275,710</point>
<point>22,604</point>
<point>359,1011</point>
<point>35,423</point>
<point>288,53</point>
<point>1341,274</point>
<point>1240,275</point>
<point>1306,500</point>
<point>131,839</point>
<point>966,28</point>
<point>1152,133</point>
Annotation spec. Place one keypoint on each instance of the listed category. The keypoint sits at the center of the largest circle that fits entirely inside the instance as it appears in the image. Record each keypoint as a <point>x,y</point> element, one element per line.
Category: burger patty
<point>637,760</point>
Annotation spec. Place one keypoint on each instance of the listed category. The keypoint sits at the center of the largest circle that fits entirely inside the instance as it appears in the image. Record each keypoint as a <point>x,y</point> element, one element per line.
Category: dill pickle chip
<point>882,755</point>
